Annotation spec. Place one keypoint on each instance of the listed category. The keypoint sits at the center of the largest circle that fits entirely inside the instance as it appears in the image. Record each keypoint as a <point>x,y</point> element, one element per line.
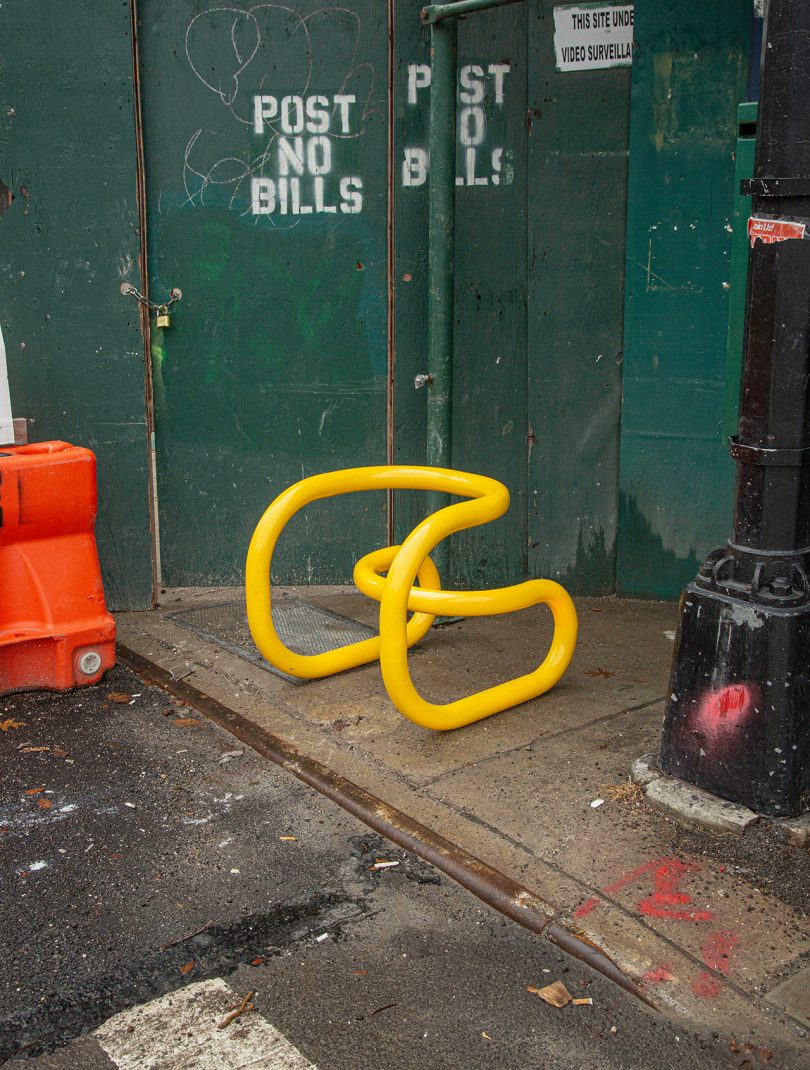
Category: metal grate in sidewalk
<point>303,627</point>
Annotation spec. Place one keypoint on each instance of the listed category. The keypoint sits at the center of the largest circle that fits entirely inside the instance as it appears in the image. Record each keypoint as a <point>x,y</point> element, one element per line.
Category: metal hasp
<point>441,224</point>
<point>736,720</point>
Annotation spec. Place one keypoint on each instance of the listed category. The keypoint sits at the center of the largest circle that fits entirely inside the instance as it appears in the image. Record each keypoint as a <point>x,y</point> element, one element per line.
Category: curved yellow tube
<point>489,499</point>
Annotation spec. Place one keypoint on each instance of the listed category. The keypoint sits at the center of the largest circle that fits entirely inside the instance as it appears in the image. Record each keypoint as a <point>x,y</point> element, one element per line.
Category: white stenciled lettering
<point>320,203</point>
<point>415,167</point>
<point>498,72</point>
<point>263,196</point>
<point>317,109</point>
<point>319,156</point>
<point>297,206</point>
<point>342,101</point>
<point>352,202</point>
<point>263,108</point>
<point>418,78</point>
<point>291,156</point>
<point>472,126</point>
<point>482,89</point>
<point>471,78</point>
<point>302,156</point>
<point>292,115</point>
<point>497,160</point>
<point>470,156</point>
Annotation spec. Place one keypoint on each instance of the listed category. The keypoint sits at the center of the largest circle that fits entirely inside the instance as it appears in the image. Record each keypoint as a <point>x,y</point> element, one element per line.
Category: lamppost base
<point>737,721</point>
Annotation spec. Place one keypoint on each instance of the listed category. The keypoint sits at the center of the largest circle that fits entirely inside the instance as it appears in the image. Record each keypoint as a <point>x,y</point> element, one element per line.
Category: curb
<point>492,887</point>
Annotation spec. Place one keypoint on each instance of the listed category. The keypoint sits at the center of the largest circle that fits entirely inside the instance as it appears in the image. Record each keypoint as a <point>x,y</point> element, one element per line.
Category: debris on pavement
<point>379,1010</point>
<point>229,755</point>
<point>188,936</point>
<point>555,994</point>
<point>583,1001</point>
<point>597,803</point>
<point>383,863</point>
<point>184,722</point>
<point>485,1035</point>
<point>123,698</point>
<point>187,967</point>
<point>9,723</point>
<point>320,939</point>
<point>236,1011</point>
<point>288,839</point>
<point>625,793</point>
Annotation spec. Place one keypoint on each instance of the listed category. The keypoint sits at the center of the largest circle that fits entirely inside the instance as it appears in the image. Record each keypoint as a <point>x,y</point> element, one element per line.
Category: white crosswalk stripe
<point>179,1032</point>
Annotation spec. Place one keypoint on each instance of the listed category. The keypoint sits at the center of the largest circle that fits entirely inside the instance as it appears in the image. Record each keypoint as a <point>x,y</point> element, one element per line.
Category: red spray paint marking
<point>659,974</point>
<point>666,899</point>
<point>717,952</point>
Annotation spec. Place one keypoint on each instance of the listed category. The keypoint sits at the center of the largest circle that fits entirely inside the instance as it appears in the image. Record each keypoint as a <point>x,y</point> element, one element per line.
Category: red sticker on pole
<point>774,230</point>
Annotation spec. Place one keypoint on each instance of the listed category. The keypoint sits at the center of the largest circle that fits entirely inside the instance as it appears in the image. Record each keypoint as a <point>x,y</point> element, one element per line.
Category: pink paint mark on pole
<point>726,710</point>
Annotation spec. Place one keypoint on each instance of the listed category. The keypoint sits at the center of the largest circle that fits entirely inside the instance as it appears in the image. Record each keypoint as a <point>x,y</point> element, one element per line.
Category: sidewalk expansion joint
<point>492,887</point>
<point>543,739</point>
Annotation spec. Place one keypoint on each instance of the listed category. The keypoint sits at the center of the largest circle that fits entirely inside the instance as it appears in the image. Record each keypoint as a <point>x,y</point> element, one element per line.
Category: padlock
<point>163,318</point>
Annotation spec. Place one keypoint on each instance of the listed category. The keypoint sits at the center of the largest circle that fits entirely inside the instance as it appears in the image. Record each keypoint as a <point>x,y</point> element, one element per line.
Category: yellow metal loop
<point>398,596</point>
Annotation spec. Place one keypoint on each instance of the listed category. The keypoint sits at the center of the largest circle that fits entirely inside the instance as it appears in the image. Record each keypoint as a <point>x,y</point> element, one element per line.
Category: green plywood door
<point>265,146</point>
<point>689,75</point>
<point>68,240</point>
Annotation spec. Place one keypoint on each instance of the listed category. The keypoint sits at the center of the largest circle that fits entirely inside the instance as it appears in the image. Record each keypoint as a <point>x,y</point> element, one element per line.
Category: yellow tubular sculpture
<point>397,596</point>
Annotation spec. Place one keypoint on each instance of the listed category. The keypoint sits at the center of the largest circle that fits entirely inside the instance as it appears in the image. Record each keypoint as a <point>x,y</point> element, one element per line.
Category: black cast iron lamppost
<point>737,720</point>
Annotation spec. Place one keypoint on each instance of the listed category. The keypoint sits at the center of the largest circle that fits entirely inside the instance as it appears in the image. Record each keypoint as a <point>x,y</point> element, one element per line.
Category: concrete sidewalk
<point>711,927</point>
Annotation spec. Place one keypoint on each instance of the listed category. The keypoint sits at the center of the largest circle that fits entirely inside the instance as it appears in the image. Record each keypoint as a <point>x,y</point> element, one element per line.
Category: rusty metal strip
<point>580,947</point>
<point>492,887</point>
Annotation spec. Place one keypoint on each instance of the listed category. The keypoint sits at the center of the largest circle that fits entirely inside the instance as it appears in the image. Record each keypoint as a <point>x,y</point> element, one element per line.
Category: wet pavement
<point>145,851</point>
<point>711,927</point>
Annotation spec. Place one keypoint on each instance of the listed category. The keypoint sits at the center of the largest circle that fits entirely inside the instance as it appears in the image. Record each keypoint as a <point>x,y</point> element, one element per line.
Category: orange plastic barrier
<point>55,631</point>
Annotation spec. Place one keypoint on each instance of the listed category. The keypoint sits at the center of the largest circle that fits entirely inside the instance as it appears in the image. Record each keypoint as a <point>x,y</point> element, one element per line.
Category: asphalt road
<point>129,823</point>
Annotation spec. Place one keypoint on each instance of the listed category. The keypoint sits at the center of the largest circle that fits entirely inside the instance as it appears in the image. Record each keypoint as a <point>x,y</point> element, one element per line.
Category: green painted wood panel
<point>67,241</point>
<point>577,175</point>
<point>275,365</point>
<point>689,75</point>
<point>489,387</point>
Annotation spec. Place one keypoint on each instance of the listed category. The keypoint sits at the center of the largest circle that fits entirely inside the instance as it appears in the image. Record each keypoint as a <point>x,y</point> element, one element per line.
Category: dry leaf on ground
<point>556,994</point>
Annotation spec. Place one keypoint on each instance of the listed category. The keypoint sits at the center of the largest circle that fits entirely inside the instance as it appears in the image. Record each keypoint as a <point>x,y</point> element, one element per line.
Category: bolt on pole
<point>737,719</point>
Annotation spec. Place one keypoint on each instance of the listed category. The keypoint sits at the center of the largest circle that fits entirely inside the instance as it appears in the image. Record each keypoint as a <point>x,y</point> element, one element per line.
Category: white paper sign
<point>589,37</point>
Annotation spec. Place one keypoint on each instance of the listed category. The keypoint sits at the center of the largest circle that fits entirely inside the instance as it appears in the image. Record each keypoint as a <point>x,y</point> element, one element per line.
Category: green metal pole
<point>441,241</point>
<point>434,13</point>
